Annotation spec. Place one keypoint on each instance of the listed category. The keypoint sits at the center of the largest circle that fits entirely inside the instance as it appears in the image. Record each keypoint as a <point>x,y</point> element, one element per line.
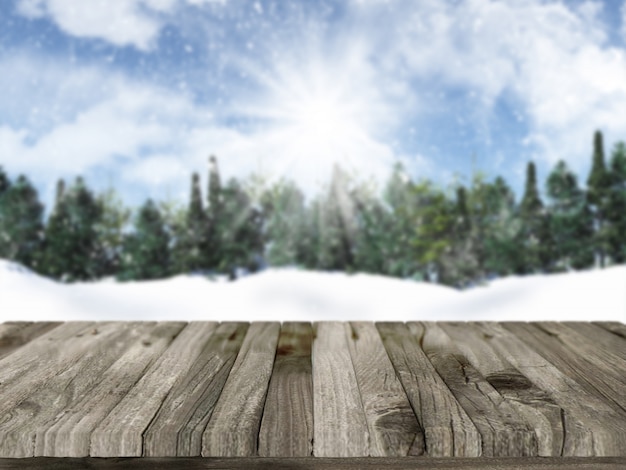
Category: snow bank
<point>290,294</point>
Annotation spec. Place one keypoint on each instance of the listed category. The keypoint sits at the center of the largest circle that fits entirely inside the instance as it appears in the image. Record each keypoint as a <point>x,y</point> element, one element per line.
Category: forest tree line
<point>412,229</point>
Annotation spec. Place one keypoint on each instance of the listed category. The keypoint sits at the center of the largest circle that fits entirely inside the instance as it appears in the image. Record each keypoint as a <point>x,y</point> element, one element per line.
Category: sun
<point>314,114</point>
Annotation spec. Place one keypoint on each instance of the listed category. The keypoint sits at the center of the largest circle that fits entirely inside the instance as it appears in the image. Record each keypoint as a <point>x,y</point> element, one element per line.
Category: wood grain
<point>121,433</point>
<point>316,463</point>
<point>581,357</point>
<point>176,429</point>
<point>287,425</point>
<point>339,423</point>
<point>233,429</point>
<point>616,328</point>
<point>503,431</point>
<point>80,374</point>
<point>592,427</point>
<point>536,405</point>
<point>69,435</point>
<point>607,341</point>
<point>448,430</point>
<point>28,369</point>
<point>393,427</point>
<point>15,334</point>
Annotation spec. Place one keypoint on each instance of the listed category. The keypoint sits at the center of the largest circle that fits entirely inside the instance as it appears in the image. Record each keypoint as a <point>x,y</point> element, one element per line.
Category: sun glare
<point>317,114</point>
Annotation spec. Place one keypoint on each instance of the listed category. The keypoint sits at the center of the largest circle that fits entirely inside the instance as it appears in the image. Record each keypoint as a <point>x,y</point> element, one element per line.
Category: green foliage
<point>337,224</point>
<point>458,236</point>
<point>501,229</point>
<point>5,183</point>
<point>616,205</point>
<point>193,248</point>
<point>535,233</point>
<point>571,224</point>
<point>598,186</point>
<point>146,250</point>
<point>21,222</point>
<point>236,231</point>
<point>72,250</point>
<point>285,228</point>
<point>110,229</point>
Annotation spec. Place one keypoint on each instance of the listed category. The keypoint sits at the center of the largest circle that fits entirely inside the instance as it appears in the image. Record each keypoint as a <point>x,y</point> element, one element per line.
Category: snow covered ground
<point>289,294</point>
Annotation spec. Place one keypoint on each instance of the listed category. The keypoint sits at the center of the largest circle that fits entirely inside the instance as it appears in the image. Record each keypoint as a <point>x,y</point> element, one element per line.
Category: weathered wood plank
<point>317,463</point>
<point>448,430</point>
<point>393,427</point>
<point>26,370</point>
<point>177,428</point>
<point>16,334</point>
<point>596,369</point>
<point>287,425</point>
<point>592,427</point>
<point>81,374</point>
<point>233,429</point>
<point>121,432</point>
<point>69,435</point>
<point>503,431</point>
<point>536,405</point>
<point>616,328</point>
<point>340,427</point>
<point>600,339</point>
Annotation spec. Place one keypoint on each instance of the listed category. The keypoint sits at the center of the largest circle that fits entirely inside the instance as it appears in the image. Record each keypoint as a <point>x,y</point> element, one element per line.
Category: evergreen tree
<point>5,183</point>
<point>146,250</point>
<point>193,250</point>
<point>284,215</point>
<point>536,239</point>
<point>214,212</point>
<point>433,232</point>
<point>459,260</point>
<point>110,230</point>
<point>502,242</point>
<point>374,231</point>
<point>598,186</point>
<point>616,205</point>
<point>338,224</point>
<point>571,225</point>
<point>21,223</point>
<point>237,231</point>
<point>72,250</point>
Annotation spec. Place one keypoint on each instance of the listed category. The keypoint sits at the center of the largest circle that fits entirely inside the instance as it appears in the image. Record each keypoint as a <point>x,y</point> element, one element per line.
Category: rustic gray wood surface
<point>233,429</point>
<point>448,430</point>
<point>287,426</point>
<point>339,423</point>
<point>536,405</point>
<point>592,426</point>
<point>317,463</point>
<point>393,427</point>
<point>80,375</point>
<point>406,393</point>
<point>28,369</point>
<point>120,434</point>
<point>504,432</point>
<point>581,356</point>
<point>177,428</point>
<point>70,434</point>
<point>15,334</point>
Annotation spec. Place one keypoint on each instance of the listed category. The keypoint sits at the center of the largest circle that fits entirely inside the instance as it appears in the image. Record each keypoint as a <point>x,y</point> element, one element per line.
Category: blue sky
<point>138,93</point>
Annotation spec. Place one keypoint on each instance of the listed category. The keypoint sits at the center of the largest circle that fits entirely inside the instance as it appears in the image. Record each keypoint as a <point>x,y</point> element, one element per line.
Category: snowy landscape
<point>294,295</point>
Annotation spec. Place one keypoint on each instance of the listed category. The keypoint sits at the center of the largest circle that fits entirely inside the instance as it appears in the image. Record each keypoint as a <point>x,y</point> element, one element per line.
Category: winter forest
<point>457,236</point>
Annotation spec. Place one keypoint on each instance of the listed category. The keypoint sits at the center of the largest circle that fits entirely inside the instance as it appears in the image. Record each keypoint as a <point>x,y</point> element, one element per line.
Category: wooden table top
<point>403,392</point>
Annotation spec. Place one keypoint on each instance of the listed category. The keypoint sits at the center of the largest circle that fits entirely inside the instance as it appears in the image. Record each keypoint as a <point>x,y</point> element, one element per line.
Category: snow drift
<point>290,294</point>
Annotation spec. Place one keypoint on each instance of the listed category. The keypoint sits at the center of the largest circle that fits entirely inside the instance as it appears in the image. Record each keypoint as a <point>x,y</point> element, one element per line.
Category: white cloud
<point>120,22</point>
<point>551,59</point>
